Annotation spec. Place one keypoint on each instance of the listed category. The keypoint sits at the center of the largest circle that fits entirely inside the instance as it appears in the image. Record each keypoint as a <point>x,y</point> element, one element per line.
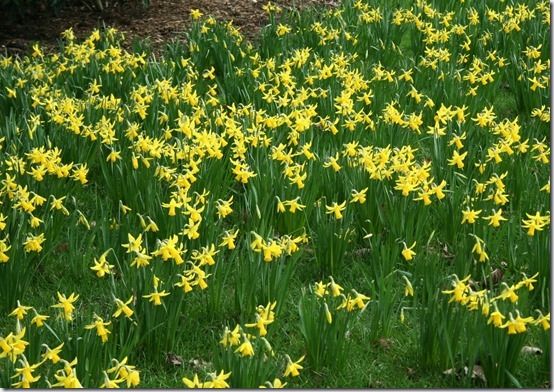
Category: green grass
<point>391,361</point>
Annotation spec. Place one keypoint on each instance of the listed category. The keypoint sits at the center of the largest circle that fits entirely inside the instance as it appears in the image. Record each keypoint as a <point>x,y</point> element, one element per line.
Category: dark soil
<point>160,21</point>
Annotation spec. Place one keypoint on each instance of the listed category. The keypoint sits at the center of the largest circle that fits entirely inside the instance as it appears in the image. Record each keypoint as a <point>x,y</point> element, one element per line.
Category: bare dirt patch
<point>160,22</point>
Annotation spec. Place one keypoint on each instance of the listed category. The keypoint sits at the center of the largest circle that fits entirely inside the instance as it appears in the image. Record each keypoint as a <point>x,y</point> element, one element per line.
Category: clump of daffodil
<point>326,317</point>
<point>122,372</point>
<point>156,296</point>
<point>264,316</point>
<point>101,266</point>
<point>13,346</point>
<point>408,252</point>
<point>100,325</point>
<point>183,170</point>
<point>293,368</point>
<point>506,298</point>
<point>66,305</point>
<point>215,380</point>
<point>250,354</point>
<point>25,373</point>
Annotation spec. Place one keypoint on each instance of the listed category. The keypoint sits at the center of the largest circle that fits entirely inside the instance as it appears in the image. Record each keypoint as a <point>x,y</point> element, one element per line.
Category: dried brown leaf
<point>384,343</point>
<point>476,373</point>
<point>479,373</point>
<point>173,359</point>
<point>199,364</point>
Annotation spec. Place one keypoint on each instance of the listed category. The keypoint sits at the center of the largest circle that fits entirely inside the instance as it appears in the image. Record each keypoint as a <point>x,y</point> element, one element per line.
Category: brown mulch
<point>160,22</point>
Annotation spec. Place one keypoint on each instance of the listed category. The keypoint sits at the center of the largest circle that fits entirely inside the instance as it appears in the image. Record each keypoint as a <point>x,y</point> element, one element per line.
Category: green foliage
<point>148,204</point>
